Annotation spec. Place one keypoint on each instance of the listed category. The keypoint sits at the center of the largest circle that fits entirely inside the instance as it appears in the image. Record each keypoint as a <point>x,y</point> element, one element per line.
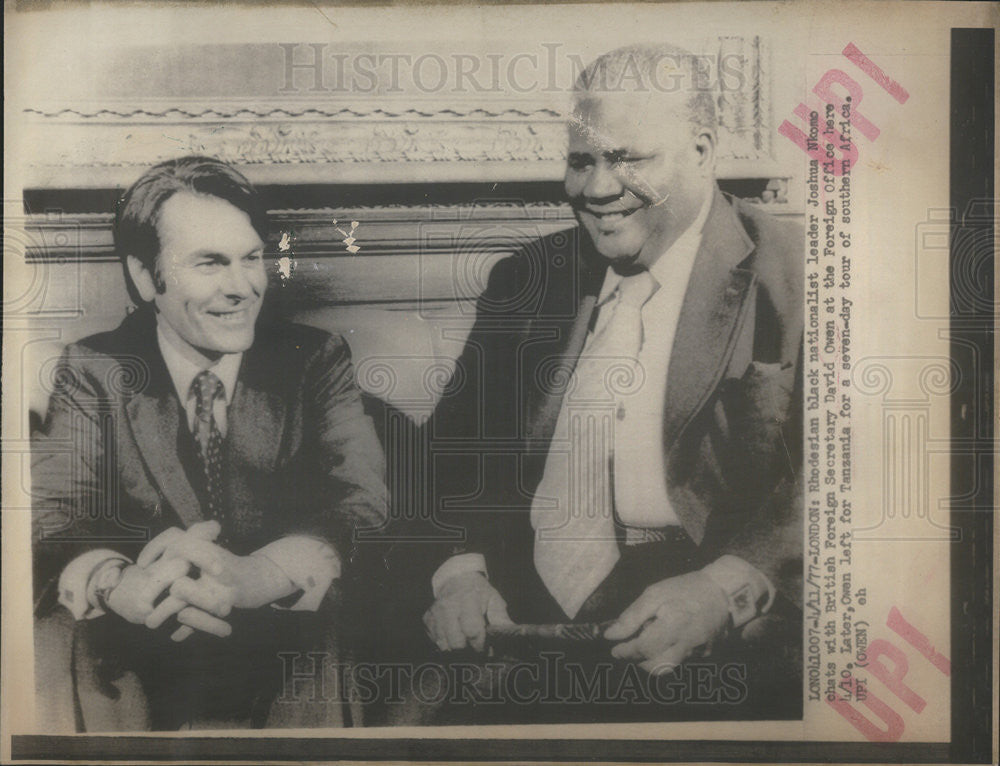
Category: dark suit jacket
<point>115,463</point>
<point>732,411</point>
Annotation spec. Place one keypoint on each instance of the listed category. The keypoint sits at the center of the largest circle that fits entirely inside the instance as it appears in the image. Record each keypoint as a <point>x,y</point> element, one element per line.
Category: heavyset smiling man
<point>655,358</point>
<point>198,469</point>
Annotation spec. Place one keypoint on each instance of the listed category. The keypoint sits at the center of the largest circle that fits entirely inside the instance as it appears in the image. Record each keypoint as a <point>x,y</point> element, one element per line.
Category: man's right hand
<point>134,597</point>
<point>142,583</point>
<point>465,604</point>
<point>139,588</point>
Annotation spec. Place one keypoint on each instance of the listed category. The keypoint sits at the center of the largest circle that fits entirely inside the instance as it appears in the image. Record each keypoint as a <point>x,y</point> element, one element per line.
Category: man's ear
<point>142,278</point>
<point>704,145</point>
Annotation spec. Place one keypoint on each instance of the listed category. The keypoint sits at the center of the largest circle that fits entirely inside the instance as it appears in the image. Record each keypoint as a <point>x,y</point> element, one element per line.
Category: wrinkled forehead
<point>625,120</point>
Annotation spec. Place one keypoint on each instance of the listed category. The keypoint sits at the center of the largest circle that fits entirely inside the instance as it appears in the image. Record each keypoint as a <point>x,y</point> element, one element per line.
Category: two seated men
<point>619,450</point>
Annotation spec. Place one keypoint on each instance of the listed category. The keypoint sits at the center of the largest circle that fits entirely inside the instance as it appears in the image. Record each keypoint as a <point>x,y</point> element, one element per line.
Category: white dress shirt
<point>641,498</point>
<point>183,372</point>
<point>309,563</point>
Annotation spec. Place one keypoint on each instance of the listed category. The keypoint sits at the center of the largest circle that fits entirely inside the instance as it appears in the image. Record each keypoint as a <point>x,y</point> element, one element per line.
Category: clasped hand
<point>459,616</point>
<point>669,622</point>
<point>224,581</point>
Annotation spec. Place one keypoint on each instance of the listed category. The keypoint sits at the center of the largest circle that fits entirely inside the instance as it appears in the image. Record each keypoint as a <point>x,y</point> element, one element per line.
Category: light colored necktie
<point>572,510</point>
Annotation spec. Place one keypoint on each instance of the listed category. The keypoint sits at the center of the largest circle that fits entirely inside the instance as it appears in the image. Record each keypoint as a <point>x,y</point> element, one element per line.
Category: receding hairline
<point>671,79</point>
<point>647,102</point>
<point>669,113</point>
<point>195,197</point>
<point>642,61</point>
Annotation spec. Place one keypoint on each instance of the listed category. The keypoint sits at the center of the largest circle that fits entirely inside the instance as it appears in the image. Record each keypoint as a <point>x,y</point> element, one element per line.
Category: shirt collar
<point>183,371</point>
<point>680,254</point>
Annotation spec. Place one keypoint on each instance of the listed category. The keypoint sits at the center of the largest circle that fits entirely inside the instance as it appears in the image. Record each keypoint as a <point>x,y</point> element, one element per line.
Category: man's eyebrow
<point>215,255</point>
<point>613,154</point>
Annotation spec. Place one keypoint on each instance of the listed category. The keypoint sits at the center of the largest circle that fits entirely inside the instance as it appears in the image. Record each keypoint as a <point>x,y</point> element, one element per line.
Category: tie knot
<point>635,290</point>
<point>205,387</point>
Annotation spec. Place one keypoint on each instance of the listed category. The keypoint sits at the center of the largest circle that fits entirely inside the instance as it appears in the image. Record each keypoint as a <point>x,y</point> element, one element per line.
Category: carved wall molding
<point>353,138</point>
<point>397,230</point>
<point>306,110</point>
<point>305,142</point>
<point>59,237</point>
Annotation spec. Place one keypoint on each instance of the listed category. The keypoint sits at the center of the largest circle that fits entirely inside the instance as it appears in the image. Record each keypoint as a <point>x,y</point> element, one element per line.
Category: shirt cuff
<point>462,562</point>
<point>75,578</point>
<point>310,564</point>
<point>745,586</point>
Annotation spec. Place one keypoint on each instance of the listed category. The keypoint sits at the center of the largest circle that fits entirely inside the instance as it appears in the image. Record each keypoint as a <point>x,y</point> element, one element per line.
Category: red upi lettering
<point>825,141</point>
<point>891,725</point>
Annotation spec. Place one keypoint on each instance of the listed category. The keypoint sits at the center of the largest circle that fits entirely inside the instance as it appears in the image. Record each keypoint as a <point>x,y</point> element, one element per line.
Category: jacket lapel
<point>253,437</point>
<point>154,416</point>
<point>553,359</point>
<point>256,417</point>
<point>556,345</point>
<point>715,307</point>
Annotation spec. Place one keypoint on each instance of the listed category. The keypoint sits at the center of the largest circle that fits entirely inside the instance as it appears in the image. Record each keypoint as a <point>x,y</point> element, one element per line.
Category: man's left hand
<point>674,618</point>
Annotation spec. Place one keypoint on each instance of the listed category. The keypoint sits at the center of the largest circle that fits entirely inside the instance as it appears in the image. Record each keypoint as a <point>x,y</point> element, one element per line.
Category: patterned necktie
<point>572,511</point>
<point>206,388</point>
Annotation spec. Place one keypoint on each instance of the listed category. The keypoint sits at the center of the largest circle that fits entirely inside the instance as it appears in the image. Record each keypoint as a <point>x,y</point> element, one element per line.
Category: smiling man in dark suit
<point>642,470</point>
<point>200,475</point>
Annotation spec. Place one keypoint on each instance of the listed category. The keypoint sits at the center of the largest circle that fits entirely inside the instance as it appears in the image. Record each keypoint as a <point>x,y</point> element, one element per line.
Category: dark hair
<point>138,210</point>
